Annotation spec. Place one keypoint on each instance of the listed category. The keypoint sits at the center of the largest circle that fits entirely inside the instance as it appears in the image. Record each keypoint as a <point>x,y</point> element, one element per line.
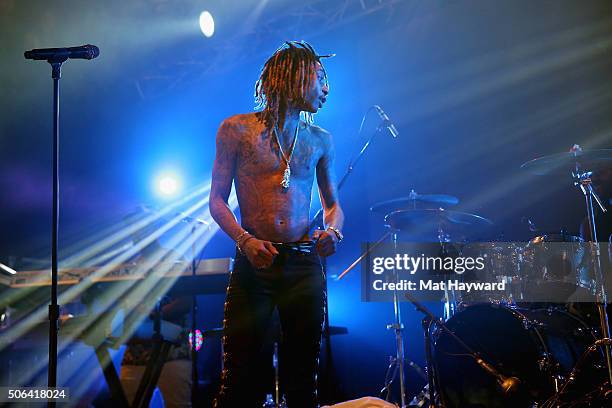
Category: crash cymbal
<point>565,163</point>
<point>412,200</point>
<point>423,220</point>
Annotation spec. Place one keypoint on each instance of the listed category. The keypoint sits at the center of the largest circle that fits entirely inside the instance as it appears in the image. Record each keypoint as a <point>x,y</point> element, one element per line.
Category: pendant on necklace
<point>286,177</point>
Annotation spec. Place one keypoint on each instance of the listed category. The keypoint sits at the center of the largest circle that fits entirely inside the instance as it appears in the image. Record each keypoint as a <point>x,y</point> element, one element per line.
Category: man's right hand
<point>260,253</point>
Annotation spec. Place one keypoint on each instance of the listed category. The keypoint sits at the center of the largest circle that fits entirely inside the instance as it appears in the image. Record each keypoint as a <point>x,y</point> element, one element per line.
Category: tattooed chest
<point>263,157</point>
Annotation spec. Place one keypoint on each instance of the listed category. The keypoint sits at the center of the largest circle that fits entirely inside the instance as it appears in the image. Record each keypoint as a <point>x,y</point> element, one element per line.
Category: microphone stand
<point>317,221</point>
<point>54,308</point>
<point>56,59</point>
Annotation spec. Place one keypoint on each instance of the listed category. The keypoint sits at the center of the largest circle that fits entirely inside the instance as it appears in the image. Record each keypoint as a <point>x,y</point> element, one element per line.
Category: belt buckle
<point>300,247</point>
<point>305,248</point>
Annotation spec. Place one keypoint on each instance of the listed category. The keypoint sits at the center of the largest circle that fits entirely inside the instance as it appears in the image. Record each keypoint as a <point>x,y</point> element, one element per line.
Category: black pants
<point>295,284</point>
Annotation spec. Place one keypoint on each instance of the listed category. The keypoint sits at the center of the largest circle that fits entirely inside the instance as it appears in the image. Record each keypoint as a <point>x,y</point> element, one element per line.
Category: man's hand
<point>260,253</point>
<point>326,242</point>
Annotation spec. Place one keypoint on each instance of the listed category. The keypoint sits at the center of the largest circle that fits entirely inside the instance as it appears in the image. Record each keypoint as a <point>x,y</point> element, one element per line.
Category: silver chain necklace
<point>287,173</point>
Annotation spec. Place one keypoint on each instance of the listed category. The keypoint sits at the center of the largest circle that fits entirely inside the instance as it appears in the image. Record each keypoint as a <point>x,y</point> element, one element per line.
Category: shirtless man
<point>272,157</point>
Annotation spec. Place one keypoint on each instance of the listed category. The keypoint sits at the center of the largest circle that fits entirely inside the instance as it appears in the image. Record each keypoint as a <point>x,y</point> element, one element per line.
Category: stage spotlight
<point>167,185</point>
<point>207,24</point>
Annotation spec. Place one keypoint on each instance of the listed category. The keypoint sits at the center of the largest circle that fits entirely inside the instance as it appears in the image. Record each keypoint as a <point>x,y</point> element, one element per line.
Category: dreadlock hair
<point>286,76</point>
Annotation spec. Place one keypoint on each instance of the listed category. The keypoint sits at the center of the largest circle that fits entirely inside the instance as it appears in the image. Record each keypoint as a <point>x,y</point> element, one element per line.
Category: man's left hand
<point>326,242</point>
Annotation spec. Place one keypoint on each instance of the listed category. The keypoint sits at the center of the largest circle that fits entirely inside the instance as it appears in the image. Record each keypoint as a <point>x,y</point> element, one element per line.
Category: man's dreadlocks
<point>286,76</point>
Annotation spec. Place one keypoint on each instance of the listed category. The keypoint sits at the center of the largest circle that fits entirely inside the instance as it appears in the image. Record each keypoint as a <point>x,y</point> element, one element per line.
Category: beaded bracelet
<point>239,238</point>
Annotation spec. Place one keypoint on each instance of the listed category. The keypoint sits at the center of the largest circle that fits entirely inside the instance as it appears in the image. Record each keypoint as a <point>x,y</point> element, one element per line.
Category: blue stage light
<point>207,24</point>
<point>167,185</point>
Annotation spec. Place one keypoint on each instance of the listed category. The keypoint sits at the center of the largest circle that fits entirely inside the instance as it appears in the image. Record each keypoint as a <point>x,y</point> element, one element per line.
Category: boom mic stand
<point>317,221</point>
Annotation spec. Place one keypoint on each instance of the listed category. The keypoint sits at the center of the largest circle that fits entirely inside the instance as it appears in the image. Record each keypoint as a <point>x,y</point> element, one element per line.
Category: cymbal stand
<point>397,325</point>
<point>582,179</point>
<point>398,328</point>
<point>450,296</point>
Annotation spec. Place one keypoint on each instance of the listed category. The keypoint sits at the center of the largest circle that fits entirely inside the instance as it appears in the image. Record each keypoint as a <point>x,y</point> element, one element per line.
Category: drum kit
<point>511,351</point>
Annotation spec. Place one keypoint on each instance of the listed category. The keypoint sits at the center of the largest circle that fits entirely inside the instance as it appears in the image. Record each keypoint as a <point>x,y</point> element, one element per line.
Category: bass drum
<point>536,346</point>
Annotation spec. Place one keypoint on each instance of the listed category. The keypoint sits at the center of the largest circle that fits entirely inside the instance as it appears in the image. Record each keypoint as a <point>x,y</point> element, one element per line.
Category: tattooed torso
<point>268,210</point>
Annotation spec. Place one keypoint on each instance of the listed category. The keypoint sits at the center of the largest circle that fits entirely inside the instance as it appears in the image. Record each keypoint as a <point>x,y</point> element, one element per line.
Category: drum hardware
<point>545,362</point>
<point>397,326</point>
<point>573,375</point>
<point>402,214</point>
<point>422,399</point>
<point>581,164</point>
<point>385,391</point>
<point>395,221</point>
<point>449,226</point>
<point>558,379</point>
<point>400,218</point>
<point>584,181</point>
<point>432,382</point>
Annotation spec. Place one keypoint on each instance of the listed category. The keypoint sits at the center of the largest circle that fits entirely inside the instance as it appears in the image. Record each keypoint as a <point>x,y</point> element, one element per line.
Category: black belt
<point>305,247</point>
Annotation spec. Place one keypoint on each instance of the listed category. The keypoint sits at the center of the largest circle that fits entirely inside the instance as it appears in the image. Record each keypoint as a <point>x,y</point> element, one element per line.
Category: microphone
<point>386,121</point>
<point>82,52</point>
<point>508,384</point>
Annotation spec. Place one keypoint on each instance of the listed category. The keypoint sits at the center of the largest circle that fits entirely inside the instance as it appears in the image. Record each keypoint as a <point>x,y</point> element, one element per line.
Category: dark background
<point>475,88</point>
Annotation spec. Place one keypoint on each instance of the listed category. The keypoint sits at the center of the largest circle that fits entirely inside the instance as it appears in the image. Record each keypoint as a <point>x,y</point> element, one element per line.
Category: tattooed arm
<point>222,177</point>
<point>333,216</point>
<point>260,253</point>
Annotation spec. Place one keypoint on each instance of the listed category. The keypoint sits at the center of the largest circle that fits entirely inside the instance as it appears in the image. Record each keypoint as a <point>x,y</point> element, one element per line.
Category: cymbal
<point>410,202</point>
<point>426,220</point>
<point>565,163</point>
